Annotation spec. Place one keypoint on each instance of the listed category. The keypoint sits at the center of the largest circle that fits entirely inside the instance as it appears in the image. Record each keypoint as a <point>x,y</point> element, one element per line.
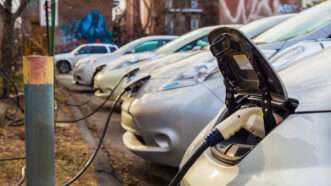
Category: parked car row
<point>262,86</point>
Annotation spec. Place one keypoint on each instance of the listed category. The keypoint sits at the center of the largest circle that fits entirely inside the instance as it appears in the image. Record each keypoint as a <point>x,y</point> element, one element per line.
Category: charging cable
<point>130,87</point>
<point>129,73</point>
<point>250,119</point>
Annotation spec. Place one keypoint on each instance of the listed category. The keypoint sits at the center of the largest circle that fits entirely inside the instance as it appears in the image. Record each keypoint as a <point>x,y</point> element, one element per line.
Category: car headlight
<point>194,75</point>
<point>127,63</point>
<point>284,59</point>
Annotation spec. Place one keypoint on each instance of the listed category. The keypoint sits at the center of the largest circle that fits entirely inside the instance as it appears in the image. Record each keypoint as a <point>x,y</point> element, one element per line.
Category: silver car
<point>178,101</point>
<point>168,106</point>
<point>313,23</point>
<point>174,51</point>
<point>294,121</point>
<point>106,79</point>
<point>65,62</point>
<point>86,68</point>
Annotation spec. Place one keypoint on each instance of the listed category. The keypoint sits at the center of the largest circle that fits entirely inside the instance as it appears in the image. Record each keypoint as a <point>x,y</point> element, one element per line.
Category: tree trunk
<point>7,50</point>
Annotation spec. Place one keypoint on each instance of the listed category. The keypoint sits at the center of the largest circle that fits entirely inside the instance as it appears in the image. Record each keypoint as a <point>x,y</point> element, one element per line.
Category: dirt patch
<point>71,154</point>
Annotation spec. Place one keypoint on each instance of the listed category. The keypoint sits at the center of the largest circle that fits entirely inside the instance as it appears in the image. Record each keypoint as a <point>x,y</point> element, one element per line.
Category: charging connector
<point>250,119</point>
<point>127,74</point>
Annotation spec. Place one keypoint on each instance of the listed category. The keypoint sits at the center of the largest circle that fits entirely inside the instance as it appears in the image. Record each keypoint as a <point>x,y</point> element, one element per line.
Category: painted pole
<point>53,7</point>
<point>38,76</point>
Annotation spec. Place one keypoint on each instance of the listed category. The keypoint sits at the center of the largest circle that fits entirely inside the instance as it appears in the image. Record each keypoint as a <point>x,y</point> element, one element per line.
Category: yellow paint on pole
<point>38,70</point>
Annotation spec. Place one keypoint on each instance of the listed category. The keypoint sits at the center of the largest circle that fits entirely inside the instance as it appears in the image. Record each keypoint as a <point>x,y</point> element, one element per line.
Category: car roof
<point>159,37</point>
<point>98,44</point>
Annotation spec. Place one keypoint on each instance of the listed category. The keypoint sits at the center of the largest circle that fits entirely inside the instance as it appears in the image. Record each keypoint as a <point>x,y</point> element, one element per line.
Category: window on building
<point>194,4</point>
<point>169,3</point>
<point>195,22</point>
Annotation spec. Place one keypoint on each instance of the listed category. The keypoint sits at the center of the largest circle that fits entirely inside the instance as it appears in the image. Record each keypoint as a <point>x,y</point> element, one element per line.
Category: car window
<point>147,46</point>
<point>303,23</point>
<point>98,50</point>
<point>112,49</point>
<point>199,43</point>
<point>178,43</point>
<point>84,50</point>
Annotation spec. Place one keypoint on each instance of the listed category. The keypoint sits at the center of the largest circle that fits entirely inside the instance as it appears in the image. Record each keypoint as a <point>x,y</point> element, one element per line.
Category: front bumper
<point>161,125</point>
<point>105,82</point>
<point>83,74</point>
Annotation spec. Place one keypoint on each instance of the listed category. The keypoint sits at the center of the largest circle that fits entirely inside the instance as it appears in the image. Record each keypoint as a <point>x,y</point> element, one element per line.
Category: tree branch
<point>21,8</point>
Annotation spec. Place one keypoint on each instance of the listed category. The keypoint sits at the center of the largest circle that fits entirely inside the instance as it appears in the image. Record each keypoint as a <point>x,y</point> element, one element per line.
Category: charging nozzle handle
<point>250,119</point>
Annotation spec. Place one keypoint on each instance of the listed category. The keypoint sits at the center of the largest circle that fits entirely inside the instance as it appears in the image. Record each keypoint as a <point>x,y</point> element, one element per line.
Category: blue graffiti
<point>93,27</point>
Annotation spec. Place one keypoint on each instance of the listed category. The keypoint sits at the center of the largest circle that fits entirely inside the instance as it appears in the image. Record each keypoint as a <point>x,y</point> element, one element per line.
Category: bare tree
<point>10,10</point>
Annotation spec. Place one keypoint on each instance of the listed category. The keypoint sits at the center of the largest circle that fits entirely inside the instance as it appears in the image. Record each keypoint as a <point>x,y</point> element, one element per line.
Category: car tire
<point>63,67</point>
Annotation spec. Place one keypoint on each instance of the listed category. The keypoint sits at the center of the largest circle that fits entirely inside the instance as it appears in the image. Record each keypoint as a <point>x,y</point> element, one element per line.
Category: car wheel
<point>63,67</point>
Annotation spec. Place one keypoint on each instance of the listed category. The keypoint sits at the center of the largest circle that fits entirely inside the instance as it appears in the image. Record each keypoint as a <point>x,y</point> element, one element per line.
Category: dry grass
<point>71,154</point>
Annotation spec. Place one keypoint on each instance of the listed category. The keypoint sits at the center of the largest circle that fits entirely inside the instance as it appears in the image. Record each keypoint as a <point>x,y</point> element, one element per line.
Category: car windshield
<point>129,46</point>
<point>183,40</point>
<point>303,23</point>
<point>257,27</point>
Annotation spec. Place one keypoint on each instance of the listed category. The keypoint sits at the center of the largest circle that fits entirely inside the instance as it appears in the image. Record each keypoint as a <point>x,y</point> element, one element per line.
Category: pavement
<point>128,168</point>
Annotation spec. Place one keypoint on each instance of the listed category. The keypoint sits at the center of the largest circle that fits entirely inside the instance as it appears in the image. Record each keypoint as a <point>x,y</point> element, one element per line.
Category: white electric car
<point>66,61</point>
<point>85,69</point>
<point>275,128</point>
<point>163,117</point>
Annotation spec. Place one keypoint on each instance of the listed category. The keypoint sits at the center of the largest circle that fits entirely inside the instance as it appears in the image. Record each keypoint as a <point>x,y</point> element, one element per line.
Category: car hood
<point>183,65</point>
<point>129,59</point>
<point>245,69</point>
<point>162,61</point>
<point>309,82</point>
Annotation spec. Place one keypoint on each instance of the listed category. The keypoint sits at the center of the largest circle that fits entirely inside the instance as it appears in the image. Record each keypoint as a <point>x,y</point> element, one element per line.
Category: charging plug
<point>136,83</point>
<point>250,119</point>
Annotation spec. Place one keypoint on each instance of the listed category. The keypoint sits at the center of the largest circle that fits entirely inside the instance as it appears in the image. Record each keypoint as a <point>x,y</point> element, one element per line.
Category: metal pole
<point>53,7</point>
<point>46,6</point>
<point>39,120</point>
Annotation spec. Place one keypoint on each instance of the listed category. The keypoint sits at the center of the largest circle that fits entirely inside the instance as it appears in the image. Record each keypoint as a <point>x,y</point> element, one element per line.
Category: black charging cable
<point>212,139</point>
<point>129,73</point>
<point>99,145</point>
<point>130,87</point>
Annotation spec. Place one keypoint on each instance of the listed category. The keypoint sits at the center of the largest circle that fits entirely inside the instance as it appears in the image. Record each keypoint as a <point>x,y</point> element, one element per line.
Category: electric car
<point>310,24</point>
<point>284,141</point>
<point>163,117</point>
<point>65,62</point>
<point>106,79</point>
<point>86,68</point>
<point>176,50</point>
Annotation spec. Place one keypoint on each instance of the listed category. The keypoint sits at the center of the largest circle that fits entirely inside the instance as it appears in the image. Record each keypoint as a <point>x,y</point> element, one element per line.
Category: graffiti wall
<point>90,29</point>
<point>244,11</point>
<point>78,24</point>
